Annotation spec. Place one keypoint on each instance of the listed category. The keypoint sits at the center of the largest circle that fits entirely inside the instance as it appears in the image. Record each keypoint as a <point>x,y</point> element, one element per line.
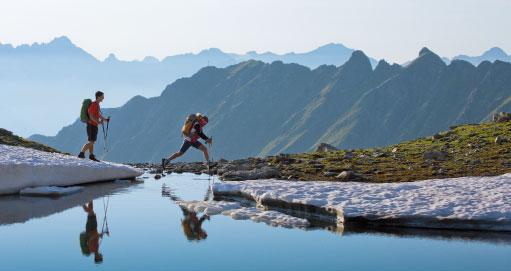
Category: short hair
<point>99,94</point>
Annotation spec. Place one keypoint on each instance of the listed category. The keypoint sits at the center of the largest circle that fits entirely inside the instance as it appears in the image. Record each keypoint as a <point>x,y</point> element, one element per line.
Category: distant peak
<point>111,57</point>
<point>495,51</point>
<point>150,59</point>
<point>210,51</point>
<point>332,46</point>
<point>358,55</point>
<point>62,40</point>
<point>382,64</point>
<point>427,57</point>
<point>425,51</point>
<point>359,60</point>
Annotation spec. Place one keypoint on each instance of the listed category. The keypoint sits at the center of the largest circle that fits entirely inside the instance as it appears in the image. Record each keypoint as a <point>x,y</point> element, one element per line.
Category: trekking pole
<point>105,221</point>
<point>210,147</point>
<point>105,134</point>
<point>210,157</point>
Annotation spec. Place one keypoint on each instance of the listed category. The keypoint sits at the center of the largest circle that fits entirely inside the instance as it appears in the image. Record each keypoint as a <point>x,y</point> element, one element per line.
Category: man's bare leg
<point>89,146</point>
<point>205,151</point>
<point>174,156</point>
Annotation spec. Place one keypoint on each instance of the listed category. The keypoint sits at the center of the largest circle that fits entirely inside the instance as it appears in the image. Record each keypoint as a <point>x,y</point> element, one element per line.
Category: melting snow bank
<point>468,203</point>
<point>272,218</point>
<point>236,211</point>
<point>208,207</point>
<point>50,191</point>
<point>22,168</point>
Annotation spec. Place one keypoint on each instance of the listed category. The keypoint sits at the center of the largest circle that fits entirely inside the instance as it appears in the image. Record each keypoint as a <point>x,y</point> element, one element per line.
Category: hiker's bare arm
<point>95,120</point>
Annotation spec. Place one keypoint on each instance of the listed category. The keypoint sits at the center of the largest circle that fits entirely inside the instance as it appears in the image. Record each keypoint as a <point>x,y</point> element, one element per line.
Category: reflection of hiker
<point>92,115</point>
<point>192,131</point>
<point>89,239</point>
<point>192,225</point>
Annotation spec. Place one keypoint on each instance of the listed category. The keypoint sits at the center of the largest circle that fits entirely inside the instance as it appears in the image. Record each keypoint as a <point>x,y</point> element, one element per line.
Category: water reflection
<point>190,223</point>
<point>19,209</point>
<point>90,238</point>
<point>156,226</point>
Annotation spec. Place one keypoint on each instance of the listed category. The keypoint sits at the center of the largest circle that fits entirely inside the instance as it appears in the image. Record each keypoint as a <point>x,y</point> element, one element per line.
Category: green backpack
<point>84,115</point>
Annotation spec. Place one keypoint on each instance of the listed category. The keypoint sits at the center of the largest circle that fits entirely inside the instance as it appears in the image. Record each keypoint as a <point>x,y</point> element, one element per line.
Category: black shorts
<point>187,144</point>
<point>92,132</point>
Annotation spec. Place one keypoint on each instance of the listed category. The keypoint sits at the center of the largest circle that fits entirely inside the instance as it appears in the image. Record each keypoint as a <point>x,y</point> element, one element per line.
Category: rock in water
<point>324,147</point>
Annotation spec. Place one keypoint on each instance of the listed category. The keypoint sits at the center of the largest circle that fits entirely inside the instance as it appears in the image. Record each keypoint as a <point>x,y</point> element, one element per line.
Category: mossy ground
<point>7,138</point>
<point>470,150</point>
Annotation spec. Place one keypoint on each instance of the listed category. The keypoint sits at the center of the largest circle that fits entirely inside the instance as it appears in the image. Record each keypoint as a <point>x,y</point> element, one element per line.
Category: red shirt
<point>93,112</point>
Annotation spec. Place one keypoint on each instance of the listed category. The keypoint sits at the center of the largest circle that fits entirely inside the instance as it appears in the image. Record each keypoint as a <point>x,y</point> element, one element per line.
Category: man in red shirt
<point>95,118</point>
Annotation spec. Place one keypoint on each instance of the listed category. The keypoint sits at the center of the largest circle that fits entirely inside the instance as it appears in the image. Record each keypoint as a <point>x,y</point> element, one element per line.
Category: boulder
<point>501,117</point>
<point>436,137</point>
<point>499,140</point>
<point>329,174</point>
<point>254,174</point>
<point>349,176</point>
<point>348,155</point>
<point>324,147</point>
<point>435,155</point>
<point>379,154</point>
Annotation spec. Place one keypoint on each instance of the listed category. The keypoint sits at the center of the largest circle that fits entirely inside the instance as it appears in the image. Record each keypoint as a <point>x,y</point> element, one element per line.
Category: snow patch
<point>23,167</point>
<point>234,210</point>
<point>208,207</point>
<point>482,203</point>
<point>272,218</point>
<point>50,191</point>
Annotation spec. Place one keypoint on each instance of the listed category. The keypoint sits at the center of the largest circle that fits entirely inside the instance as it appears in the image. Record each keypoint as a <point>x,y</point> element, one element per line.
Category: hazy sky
<point>393,29</point>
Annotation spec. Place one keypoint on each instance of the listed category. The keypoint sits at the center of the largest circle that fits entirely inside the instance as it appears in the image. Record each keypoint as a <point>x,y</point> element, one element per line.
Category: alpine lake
<point>139,226</point>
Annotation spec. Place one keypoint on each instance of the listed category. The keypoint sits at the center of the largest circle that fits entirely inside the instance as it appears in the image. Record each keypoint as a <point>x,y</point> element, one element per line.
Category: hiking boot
<point>163,163</point>
<point>93,158</point>
<point>81,155</point>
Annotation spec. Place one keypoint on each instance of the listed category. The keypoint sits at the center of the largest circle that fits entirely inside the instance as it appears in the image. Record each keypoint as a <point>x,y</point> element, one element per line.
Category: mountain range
<point>257,108</point>
<point>51,79</point>
<point>491,55</point>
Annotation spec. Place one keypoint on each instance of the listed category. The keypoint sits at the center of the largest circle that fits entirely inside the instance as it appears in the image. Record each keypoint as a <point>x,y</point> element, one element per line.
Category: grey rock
<point>435,155</point>
<point>157,176</point>
<point>349,176</point>
<point>436,137</point>
<point>324,147</point>
<point>330,174</point>
<point>499,140</point>
<point>156,171</point>
<point>501,117</point>
<point>318,166</point>
<point>379,154</point>
<point>348,155</point>
<point>254,174</point>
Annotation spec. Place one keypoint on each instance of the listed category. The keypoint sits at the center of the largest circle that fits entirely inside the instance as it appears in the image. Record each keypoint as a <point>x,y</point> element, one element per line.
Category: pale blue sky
<point>393,29</point>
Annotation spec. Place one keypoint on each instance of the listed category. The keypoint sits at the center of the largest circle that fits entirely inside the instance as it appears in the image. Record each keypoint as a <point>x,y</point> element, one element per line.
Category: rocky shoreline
<point>465,150</point>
